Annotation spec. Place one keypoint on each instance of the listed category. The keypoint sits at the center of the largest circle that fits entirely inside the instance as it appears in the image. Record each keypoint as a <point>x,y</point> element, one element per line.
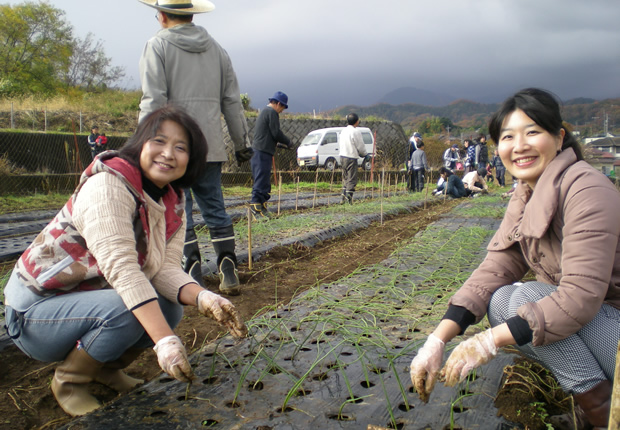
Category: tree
<point>35,47</point>
<point>246,101</point>
<point>90,68</point>
<point>435,125</point>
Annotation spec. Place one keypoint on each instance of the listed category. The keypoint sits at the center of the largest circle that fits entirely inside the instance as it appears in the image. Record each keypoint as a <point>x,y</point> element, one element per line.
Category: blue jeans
<point>261,174</point>
<point>208,193</point>
<point>50,328</point>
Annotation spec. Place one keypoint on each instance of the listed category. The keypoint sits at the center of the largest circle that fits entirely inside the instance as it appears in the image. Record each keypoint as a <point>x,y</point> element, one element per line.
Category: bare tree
<point>90,68</point>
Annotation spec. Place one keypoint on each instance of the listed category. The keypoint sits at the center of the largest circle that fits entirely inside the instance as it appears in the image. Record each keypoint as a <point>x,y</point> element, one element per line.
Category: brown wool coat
<point>567,232</point>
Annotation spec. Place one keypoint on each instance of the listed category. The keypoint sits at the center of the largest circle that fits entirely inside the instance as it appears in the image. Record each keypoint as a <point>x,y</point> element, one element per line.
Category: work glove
<point>367,159</point>
<point>172,358</point>
<point>425,366</point>
<point>243,155</point>
<point>467,356</point>
<point>222,311</point>
<point>283,145</point>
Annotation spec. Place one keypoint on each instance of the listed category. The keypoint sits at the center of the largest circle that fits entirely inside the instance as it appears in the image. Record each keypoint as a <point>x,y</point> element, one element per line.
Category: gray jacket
<point>185,66</point>
<point>418,160</point>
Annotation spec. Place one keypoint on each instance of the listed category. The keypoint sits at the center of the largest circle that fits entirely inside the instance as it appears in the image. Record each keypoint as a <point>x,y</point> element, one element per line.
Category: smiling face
<point>164,157</point>
<point>526,149</point>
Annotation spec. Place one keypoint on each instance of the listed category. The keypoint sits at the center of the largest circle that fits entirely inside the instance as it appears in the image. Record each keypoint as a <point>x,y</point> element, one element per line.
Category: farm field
<point>334,324</point>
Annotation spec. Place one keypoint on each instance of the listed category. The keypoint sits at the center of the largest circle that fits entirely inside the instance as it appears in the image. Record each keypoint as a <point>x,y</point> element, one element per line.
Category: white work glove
<point>425,366</point>
<point>172,358</point>
<point>467,356</point>
<point>222,311</point>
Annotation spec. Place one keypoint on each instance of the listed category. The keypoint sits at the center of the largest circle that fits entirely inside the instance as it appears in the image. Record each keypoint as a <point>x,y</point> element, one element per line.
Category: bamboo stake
<point>331,183</point>
<point>316,180</point>
<point>381,197</point>
<point>428,186</point>
<point>249,239</point>
<point>279,192</point>
<point>297,194</point>
<point>365,183</point>
<point>614,416</point>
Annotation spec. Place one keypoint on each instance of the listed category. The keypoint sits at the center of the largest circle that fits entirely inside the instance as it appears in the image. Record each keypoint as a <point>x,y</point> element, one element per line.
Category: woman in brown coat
<point>562,224</point>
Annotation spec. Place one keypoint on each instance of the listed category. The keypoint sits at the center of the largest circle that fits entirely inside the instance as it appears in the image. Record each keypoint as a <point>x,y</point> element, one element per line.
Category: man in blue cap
<point>267,136</point>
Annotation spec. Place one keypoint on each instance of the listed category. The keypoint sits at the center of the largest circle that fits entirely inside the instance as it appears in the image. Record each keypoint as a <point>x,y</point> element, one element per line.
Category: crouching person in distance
<point>562,224</point>
<point>105,275</point>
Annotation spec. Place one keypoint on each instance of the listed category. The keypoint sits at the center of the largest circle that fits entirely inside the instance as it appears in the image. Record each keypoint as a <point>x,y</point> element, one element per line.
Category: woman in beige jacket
<point>562,224</point>
<point>103,281</point>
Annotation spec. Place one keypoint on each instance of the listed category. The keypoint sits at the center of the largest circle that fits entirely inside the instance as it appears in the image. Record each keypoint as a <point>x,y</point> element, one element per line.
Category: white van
<point>320,148</point>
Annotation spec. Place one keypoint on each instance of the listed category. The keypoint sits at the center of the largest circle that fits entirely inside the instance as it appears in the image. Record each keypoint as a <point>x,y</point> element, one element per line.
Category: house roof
<point>605,141</point>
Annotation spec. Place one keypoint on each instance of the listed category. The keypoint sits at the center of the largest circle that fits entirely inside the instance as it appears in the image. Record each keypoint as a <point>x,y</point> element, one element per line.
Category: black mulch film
<point>336,357</point>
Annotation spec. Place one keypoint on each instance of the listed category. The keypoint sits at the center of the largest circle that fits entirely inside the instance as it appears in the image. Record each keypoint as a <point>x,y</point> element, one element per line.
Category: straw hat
<point>180,7</point>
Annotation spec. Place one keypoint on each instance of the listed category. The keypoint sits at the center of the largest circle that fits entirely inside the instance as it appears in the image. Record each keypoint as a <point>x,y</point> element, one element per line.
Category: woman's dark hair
<point>445,171</point>
<point>540,105</point>
<point>148,128</point>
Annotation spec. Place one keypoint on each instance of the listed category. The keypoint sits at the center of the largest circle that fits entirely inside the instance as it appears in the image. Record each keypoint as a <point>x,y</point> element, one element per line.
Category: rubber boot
<point>350,197</point>
<point>259,211</point>
<point>566,421</point>
<point>343,197</point>
<point>191,257</point>
<point>596,404</point>
<point>70,379</point>
<point>223,239</point>
<point>112,375</point>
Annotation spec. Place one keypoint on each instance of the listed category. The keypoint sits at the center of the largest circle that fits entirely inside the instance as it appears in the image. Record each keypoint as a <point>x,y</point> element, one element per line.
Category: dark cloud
<point>326,53</point>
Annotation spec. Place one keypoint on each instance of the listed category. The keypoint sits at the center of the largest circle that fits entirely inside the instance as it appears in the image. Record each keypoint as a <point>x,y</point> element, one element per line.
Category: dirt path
<point>24,383</point>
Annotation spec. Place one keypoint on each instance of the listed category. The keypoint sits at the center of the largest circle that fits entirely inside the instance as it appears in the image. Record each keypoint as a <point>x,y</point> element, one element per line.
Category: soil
<point>28,403</point>
<point>530,395</point>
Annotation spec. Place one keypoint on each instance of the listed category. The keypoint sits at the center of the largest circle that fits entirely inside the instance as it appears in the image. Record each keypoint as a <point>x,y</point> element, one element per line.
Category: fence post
<point>45,119</point>
<point>80,121</point>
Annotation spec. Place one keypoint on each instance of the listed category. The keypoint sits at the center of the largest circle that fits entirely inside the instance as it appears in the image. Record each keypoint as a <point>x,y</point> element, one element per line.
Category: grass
<point>15,204</point>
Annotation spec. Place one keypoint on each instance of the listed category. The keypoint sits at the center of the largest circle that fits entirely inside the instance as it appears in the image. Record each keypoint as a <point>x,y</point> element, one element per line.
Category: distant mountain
<point>579,101</point>
<point>585,114</point>
<point>410,113</point>
<point>415,95</point>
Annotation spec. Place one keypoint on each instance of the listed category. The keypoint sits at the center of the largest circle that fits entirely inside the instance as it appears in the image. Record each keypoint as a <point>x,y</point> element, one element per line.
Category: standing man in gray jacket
<point>351,148</point>
<point>419,165</point>
<point>183,65</point>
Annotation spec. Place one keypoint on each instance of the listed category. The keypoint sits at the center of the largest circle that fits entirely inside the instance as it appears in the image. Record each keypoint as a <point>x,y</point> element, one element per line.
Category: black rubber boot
<point>343,197</point>
<point>223,239</point>
<point>191,261</point>
<point>350,197</point>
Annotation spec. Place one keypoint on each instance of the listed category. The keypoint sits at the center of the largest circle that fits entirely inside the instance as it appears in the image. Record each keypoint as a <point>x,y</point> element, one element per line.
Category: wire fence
<point>35,162</point>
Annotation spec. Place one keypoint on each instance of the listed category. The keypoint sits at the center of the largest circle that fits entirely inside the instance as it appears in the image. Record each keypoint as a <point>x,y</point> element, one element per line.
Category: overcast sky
<point>328,53</point>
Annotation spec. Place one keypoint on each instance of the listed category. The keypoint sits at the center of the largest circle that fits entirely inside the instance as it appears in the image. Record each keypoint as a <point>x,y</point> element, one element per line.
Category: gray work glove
<point>243,155</point>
